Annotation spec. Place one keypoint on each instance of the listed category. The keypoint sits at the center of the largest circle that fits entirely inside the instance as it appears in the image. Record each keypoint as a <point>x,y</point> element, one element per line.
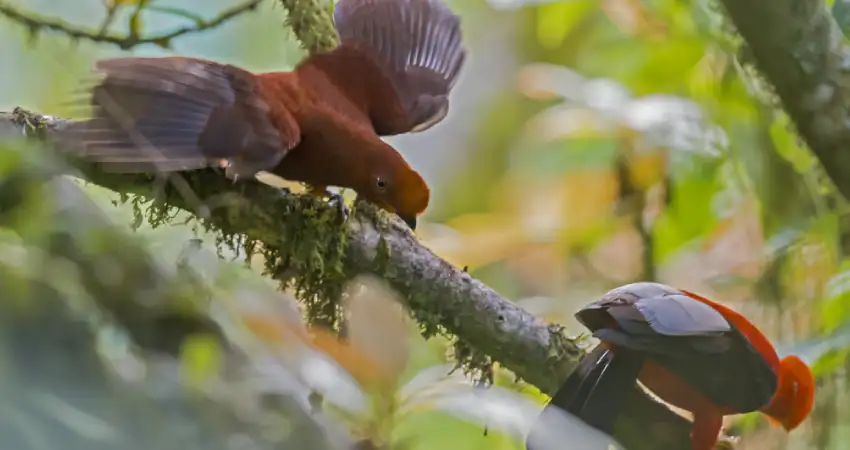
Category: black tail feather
<point>597,389</point>
<point>610,390</point>
<point>574,393</point>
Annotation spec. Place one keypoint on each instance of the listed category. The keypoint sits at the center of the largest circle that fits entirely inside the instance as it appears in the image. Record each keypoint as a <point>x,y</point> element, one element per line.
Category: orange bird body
<point>691,352</point>
<point>320,123</point>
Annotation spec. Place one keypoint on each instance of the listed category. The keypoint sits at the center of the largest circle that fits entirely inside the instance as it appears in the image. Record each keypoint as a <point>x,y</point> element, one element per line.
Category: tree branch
<point>797,47</point>
<point>301,234</point>
<point>36,22</point>
<point>294,231</point>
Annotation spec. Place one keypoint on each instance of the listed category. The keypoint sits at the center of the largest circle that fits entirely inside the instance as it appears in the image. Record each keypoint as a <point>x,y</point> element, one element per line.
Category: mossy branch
<point>302,235</point>
<point>35,23</point>
<point>304,245</point>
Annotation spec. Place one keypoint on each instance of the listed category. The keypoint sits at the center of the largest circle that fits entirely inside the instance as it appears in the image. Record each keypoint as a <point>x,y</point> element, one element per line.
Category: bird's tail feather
<point>167,114</point>
<point>597,389</point>
<point>610,389</point>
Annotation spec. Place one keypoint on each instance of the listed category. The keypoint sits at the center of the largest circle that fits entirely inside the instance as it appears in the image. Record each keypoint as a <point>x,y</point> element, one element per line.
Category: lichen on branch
<point>312,23</point>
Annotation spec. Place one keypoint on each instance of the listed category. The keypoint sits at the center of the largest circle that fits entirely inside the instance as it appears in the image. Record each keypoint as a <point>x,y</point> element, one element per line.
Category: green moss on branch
<point>300,233</point>
<point>312,23</point>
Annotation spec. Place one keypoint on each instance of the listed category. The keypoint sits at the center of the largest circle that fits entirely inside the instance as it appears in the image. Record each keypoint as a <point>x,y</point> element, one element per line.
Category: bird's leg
<point>705,430</point>
<point>334,199</point>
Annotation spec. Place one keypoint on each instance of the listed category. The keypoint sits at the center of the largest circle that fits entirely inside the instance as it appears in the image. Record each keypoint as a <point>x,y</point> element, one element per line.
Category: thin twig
<point>111,12</point>
<point>36,22</point>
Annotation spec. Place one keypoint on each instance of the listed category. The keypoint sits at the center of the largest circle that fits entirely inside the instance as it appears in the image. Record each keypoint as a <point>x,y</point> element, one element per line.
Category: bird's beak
<point>410,221</point>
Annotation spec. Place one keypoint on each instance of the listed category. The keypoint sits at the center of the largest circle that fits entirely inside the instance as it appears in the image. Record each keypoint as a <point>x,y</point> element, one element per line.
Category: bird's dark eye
<point>381,184</point>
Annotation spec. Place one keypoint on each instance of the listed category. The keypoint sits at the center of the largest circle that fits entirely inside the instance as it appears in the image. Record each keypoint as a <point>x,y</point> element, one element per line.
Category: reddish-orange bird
<point>691,352</point>
<point>320,123</point>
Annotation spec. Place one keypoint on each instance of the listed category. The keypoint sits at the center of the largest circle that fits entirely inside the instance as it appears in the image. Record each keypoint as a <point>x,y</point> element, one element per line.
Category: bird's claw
<point>336,200</point>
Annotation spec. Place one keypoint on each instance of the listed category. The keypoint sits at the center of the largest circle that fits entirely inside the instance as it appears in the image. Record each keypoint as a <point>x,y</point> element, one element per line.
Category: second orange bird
<point>692,353</point>
<point>320,124</point>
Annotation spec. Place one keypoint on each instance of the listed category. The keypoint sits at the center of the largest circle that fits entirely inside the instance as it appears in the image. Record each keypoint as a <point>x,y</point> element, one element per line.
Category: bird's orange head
<point>396,187</point>
<point>795,395</point>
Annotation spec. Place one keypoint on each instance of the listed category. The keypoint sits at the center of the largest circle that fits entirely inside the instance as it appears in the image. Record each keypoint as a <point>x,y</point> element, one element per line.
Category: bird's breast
<point>331,151</point>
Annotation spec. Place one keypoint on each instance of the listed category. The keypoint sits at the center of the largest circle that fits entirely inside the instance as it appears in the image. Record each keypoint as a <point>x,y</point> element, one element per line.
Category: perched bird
<point>691,352</point>
<point>319,124</point>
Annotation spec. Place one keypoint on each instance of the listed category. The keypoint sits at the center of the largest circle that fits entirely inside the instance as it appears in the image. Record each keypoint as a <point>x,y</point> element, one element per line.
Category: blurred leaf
<point>813,261</point>
<point>269,329</point>
<point>542,81</point>
<point>665,65</point>
<point>513,414</point>
<point>556,19</point>
<point>835,309</point>
<point>565,156</point>
<point>841,14</point>
<point>619,59</point>
<point>431,378</point>
<point>322,372</point>
<point>200,358</point>
<point>812,350</point>
<point>632,17</point>
<point>690,214</point>
<point>831,361</point>
<point>377,325</point>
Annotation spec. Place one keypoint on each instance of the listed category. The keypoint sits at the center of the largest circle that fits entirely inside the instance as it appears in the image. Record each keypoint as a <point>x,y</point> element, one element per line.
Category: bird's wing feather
<point>656,344</point>
<point>723,367</point>
<point>417,44</point>
<point>677,332</point>
<point>594,391</point>
<point>173,114</point>
<point>658,308</point>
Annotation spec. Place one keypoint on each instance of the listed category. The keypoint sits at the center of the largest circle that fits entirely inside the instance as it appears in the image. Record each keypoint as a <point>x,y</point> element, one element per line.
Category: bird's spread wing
<point>173,114</point>
<point>418,47</point>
